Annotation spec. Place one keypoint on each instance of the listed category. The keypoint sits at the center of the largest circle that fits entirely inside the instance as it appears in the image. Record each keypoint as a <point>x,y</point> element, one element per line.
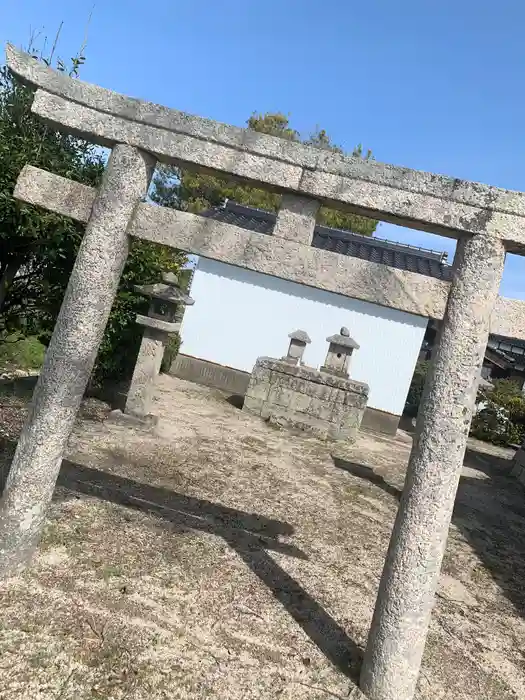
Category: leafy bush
<point>120,345</point>
<point>416,388</point>
<point>17,352</point>
<point>39,248</point>
<point>500,415</point>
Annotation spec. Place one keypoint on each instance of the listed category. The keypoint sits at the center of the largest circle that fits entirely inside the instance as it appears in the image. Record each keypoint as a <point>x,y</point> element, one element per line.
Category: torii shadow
<point>251,535</point>
<point>489,512</point>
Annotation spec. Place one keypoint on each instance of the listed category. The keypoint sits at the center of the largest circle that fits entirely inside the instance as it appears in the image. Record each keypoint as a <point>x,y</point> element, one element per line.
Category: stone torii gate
<point>486,221</point>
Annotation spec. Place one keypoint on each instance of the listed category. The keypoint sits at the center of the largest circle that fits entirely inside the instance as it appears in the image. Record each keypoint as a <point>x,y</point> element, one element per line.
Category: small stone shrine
<point>163,319</point>
<point>325,402</point>
<point>340,349</point>
<point>298,342</point>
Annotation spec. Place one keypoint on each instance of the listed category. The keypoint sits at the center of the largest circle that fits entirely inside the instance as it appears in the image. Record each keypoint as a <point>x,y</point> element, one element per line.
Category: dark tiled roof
<point>509,349</point>
<point>377,250</point>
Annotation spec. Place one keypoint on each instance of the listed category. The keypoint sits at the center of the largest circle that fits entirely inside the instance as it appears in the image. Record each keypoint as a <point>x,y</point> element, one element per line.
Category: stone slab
<point>413,198</point>
<point>158,324</point>
<point>358,279</point>
<point>296,219</point>
<point>235,381</point>
<point>227,379</point>
<point>169,147</point>
<point>55,193</point>
<point>312,375</point>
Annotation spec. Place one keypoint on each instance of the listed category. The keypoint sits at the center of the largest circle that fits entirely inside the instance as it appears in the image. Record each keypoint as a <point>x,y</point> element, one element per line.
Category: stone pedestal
<point>302,398</point>
<point>163,320</point>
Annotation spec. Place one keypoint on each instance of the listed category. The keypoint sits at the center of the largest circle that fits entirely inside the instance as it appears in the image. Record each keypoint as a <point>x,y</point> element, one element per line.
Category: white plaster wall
<point>240,315</point>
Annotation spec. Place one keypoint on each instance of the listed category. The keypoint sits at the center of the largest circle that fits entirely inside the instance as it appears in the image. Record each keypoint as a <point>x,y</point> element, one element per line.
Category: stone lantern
<point>298,342</point>
<point>340,349</point>
<point>164,316</point>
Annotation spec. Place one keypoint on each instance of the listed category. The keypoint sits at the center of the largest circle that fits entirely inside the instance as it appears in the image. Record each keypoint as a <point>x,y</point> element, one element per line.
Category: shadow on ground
<point>236,400</point>
<point>489,512</point>
<point>251,535</point>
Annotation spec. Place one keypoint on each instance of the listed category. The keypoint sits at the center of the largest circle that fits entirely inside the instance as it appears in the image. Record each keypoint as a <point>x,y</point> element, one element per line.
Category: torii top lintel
<point>421,200</point>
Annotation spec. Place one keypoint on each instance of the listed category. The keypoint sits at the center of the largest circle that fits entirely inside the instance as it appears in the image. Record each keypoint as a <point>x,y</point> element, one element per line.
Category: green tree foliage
<point>38,248</point>
<point>415,392</point>
<point>33,242</point>
<point>195,192</point>
<point>499,417</point>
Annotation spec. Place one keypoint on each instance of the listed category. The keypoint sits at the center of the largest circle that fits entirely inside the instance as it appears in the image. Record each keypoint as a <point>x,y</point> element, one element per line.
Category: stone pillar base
<point>304,399</point>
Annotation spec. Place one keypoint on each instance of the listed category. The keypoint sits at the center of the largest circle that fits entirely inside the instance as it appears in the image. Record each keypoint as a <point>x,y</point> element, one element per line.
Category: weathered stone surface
<point>406,593</point>
<point>310,374</point>
<point>180,149</point>
<point>109,102</point>
<point>359,279</point>
<point>302,398</point>
<point>253,405</point>
<point>147,368</point>
<point>294,420</point>
<point>298,342</point>
<point>70,356</point>
<point>323,269</point>
<point>301,336</point>
<point>402,195</point>
<point>258,389</point>
<point>451,589</point>
<point>146,422</point>
<point>158,324</point>
<point>296,219</point>
<point>55,193</point>
<point>261,373</point>
<point>165,292</point>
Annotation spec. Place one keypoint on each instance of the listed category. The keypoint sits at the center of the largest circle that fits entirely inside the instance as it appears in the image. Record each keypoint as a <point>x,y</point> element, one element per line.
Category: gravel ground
<point>220,558</point>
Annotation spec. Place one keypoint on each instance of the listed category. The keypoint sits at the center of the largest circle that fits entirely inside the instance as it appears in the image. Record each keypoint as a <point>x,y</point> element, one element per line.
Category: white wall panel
<point>240,315</point>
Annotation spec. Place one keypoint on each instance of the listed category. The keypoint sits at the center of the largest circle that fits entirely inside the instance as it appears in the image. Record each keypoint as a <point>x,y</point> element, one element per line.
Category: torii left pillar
<point>78,333</point>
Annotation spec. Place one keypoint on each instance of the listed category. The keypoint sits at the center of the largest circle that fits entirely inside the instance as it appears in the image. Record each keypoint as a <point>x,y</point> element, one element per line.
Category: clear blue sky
<point>431,85</point>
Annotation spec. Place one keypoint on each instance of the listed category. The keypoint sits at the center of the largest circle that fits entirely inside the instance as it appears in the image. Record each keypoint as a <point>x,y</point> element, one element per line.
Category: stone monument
<point>163,320</point>
<point>324,403</point>
<point>298,342</point>
<point>340,349</point>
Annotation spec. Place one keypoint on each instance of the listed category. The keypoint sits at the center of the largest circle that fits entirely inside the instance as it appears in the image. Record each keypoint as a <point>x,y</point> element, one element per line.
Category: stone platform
<point>303,398</point>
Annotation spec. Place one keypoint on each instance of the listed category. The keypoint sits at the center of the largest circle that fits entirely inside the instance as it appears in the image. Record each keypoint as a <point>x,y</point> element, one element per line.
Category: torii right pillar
<point>411,571</point>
